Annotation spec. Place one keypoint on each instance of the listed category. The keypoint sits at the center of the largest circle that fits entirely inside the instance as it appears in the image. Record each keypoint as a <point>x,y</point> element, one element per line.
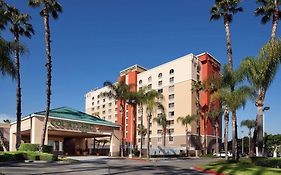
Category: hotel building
<point>174,80</point>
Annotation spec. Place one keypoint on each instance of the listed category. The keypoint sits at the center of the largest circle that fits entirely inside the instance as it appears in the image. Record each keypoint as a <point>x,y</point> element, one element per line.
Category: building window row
<point>160,75</point>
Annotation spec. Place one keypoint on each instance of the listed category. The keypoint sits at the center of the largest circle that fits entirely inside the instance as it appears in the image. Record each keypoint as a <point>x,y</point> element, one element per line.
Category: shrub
<point>48,157</point>
<point>267,162</point>
<point>29,147</point>
<point>11,156</point>
<point>26,155</point>
<point>47,149</point>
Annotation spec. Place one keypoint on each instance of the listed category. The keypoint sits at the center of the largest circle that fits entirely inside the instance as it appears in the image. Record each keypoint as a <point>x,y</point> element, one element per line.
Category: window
<point>93,103</point>
<point>116,121</point>
<point>171,105</point>
<point>171,114</point>
<point>198,68</point>
<point>93,108</point>
<point>171,96</point>
<point>171,122</point>
<point>139,118</point>
<point>172,80</point>
<point>127,121</point>
<point>140,88</point>
<point>159,139</point>
<point>98,96</point>
<point>98,102</point>
<point>159,131</point>
<point>109,111</point>
<point>103,106</point>
<point>149,87</point>
<point>103,112</point>
<point>171,88</point>
<point>115,109</point>
<point>149,79</point>
<point>150,124</point>
<point>198,77</point>
<point>150,132</point>
<point>93,98</point>
<point>171,71</point>
<point>103,100</point>
<point>160,91</point>
<point>115,116</point>
<point>139,140</point>
<point>159,83</point>
<point>98,107</point>
<point>109,104</point>
<point>140,82</point>
<point>171,139</point>
<point>160,75</point>
<point>109,117</point>
<point>171,131</point>
<point>127,128</point>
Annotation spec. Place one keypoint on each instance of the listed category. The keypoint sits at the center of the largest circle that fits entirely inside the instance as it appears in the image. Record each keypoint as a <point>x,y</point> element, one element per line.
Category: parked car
<point>222,154</point>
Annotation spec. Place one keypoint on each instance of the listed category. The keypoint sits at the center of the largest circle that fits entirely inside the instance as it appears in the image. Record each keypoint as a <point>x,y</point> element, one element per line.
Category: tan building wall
<point>102,107</point>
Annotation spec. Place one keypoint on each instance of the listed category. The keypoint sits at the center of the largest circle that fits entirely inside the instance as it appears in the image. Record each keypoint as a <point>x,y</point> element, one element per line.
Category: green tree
<point>161,120</point>
<point>226,9</point>
<point>197,87</point>
<point>186,121</point>
<point>142,131</point>
<point>20,26</point>
<point>120,92</point>
<point>260,72</point>
<point>48,7</point>
<point>269,10</point>
<point>152,102</point>
<point>215,116</point>
<point>250,124</point>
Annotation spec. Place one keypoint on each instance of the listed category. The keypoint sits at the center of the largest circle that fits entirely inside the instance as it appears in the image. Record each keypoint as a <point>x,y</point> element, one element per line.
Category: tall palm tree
<point>7,66</point>
<point>20,26</point>
<point>186,121</point>
<point>152,102</point>
<point>120,92</point>
<point>269,9</point>
<point>143,131</point>
<point>250,124</point>
<point>226,9</point>
<point>161,120</point>
<point>48,7</point>
<point>260,72</point>
<point>197,87</point>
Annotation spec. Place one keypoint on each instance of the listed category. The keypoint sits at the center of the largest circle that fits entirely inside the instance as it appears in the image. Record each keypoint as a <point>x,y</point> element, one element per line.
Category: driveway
<point>105,165</point>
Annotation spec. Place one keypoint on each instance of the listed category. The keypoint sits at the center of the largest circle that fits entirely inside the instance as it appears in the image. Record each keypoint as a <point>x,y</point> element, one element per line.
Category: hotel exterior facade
<point>174,80</point>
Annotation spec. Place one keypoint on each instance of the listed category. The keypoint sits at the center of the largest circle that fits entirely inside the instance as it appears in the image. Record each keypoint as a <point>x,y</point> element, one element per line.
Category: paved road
<point>102,166</point>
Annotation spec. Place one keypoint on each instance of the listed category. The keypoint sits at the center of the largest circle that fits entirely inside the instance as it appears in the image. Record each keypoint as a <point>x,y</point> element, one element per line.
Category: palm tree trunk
<point>205,134</point>
<point>164,138</point>
<point>250,149</point>
<point>2,142</point>
<point>49,73</point>
<point>18,101</point>
<point>186,141</point>
<point>226,120</point>
<point>274,20</point>
<point>259,129</point>
<point>122,127</point>
<point>141,141</point>
<point>228,40</point>
<point>217,139</point>
<point>148,135</point>
<point>234,136</point>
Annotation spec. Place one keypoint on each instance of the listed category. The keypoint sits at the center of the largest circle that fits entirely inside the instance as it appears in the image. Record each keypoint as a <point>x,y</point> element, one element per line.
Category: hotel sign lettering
<point>68,125</point>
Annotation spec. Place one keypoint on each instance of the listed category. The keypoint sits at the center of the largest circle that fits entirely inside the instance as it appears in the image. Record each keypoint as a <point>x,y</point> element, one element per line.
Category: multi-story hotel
<point>174,80</point>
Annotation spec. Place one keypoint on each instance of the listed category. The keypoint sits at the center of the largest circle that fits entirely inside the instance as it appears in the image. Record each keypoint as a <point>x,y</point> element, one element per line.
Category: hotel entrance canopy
<point>64,124</point>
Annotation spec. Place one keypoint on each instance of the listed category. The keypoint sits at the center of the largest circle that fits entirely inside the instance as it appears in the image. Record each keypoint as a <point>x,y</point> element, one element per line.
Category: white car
<point>222,154</point>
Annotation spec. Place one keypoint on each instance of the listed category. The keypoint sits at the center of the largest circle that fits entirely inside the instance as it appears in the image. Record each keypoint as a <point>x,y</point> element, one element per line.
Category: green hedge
<point>26,155</point>
<point>29,147</point>
<point>267,162</point>
<point>35,147</point>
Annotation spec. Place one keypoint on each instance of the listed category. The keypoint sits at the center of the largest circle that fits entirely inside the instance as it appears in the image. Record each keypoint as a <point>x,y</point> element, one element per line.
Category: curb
<point>206,171</point>
<point>138,159</point>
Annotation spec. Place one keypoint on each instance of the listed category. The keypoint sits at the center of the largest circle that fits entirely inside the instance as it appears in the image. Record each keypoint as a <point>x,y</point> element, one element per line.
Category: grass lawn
<point>244,167</point>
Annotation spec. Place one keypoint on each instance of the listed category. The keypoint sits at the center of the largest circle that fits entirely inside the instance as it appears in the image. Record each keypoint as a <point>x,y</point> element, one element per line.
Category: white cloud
<point>6,116</point>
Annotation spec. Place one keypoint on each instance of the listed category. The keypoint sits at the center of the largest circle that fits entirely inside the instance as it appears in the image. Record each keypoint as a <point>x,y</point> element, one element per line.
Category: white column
<point>60,146</point>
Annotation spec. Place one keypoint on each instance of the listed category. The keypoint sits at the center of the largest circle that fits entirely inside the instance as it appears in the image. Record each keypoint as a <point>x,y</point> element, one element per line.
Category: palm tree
<point>20,26</point>
<point>120,92</point>
<point>269,9</point>
<point>161,120</point>
<point>197,87</point>
<point>226,9</point>
<point>186,121</point>
<point>7,65</point>
<point>152,102</point>
<point>260,73</point>
<point>48,7</point>
<point>215,116</point>
<point>142,131</point>
<point>250,124</point>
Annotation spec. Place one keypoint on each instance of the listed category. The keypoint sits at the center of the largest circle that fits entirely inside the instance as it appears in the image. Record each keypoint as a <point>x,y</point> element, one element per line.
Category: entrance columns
<point>36,131</point>
<point>115,141</point>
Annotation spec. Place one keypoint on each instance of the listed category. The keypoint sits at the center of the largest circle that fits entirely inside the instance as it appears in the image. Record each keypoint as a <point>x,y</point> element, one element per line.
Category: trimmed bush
<point>26,155</point>
<point>11,156</point>
<point>47,149</point>
<point>267,162</point>
<point>29,147</point>
<point>48,157</point>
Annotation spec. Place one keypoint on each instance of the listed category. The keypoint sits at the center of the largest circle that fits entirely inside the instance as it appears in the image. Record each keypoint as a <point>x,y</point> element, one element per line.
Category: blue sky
<point>93,40</point>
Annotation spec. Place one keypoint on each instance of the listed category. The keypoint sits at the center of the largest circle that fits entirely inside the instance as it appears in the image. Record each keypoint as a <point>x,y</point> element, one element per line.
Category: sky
<point>93,40</point>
